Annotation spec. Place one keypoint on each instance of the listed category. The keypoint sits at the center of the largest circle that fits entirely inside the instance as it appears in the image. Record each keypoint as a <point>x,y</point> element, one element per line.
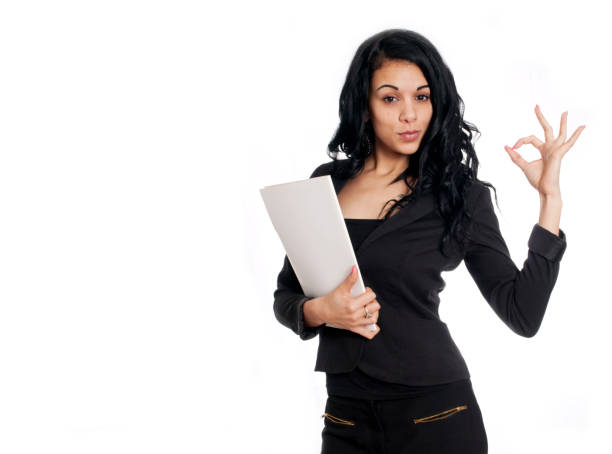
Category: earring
<point>369,142</point>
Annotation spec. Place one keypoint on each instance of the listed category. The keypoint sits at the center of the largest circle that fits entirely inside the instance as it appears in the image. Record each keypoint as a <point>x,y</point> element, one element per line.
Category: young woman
<point>414,207</point>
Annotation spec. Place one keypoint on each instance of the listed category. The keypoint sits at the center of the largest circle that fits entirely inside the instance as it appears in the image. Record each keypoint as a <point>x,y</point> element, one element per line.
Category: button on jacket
<point>401,262</point>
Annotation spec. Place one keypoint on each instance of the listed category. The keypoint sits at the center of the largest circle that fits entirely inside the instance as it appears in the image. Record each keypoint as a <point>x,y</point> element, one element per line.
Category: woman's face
<point>399,101</point>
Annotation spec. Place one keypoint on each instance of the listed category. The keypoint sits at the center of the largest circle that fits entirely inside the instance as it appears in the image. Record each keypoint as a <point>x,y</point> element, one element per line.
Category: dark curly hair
<point>438,162</point>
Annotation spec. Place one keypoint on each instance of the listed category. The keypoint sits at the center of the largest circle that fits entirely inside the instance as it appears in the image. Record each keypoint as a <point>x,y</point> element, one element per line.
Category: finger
<point>364,298</point>
<point>572,140</point>
<point>548,132</point>
<point>351,279</point>
<point>366,311</point>
<point>563,127</point>
<point>373,307</point>
<point>516,158</point>
<point>360,313</point>
<point>533,140</point>
<point>370,320</point>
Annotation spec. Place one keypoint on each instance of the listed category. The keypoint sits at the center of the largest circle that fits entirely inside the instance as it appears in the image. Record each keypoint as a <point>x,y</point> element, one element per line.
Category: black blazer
<point>401,262</point>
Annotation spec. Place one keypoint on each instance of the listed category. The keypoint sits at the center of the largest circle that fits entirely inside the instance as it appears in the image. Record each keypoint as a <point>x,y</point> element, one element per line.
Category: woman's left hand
<point>543,174</point>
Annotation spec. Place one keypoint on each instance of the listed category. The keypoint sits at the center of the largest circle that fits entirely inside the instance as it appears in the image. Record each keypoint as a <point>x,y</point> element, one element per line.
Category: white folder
<point>307,217</point>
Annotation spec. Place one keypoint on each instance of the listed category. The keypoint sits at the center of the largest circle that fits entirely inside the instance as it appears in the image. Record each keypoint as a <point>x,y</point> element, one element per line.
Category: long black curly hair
<point>438,162</point>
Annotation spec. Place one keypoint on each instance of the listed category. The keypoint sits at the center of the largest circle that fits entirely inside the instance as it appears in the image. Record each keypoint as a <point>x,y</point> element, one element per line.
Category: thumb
<point>351,278</point>
<point>516,157</point>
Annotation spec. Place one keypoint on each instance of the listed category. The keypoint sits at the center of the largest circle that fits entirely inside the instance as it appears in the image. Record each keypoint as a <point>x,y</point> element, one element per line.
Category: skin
<point>543,174</point>
<point>399,100</point>
<point>405,106</point>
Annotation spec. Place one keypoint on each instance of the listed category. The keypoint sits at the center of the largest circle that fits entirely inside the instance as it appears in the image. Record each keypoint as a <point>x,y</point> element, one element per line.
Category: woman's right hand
<point>344,311</point>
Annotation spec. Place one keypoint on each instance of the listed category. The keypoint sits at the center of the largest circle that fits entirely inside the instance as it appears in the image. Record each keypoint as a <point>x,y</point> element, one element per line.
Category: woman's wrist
<point>313,315</point>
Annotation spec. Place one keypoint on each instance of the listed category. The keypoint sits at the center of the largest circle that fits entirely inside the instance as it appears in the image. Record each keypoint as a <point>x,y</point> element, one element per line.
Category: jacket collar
<point>416,209</point>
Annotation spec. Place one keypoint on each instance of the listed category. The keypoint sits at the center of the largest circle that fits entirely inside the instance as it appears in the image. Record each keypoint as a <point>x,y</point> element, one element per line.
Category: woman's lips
<point>409,137</point>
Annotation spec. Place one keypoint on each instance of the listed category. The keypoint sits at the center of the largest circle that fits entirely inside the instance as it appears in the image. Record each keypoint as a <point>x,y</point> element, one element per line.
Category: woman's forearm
<point>550,212</point>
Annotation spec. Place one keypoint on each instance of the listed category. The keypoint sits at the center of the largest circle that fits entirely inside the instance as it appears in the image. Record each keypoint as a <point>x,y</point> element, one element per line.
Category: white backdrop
<point>137,262</point>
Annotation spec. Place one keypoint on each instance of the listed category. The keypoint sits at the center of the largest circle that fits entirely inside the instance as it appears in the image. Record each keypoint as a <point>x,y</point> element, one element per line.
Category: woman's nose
<point>408,112</point>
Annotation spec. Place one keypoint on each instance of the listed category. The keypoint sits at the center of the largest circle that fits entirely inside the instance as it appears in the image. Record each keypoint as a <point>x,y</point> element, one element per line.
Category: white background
<point>137,262</point>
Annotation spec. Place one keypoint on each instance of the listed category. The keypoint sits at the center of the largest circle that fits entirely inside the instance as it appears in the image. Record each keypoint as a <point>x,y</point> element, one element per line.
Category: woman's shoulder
<point>476,192</point>
<point>322,169</point>
<point>475,187</point>
<point>328,168</point>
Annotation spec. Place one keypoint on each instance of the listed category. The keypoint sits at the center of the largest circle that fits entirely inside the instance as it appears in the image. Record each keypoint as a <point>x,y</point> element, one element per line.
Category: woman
<point>414,208</point>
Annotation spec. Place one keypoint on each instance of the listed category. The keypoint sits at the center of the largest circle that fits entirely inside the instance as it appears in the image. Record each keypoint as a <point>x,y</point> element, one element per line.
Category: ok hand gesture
<point>543,173</point>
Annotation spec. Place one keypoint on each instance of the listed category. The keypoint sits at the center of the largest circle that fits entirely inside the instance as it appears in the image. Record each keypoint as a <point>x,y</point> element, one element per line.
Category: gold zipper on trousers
<point>442,415</point>
<point>337,420</point>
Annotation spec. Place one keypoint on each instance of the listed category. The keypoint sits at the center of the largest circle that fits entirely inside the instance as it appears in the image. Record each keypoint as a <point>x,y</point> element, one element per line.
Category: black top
<point>357,383</point>
<point>401,261</point>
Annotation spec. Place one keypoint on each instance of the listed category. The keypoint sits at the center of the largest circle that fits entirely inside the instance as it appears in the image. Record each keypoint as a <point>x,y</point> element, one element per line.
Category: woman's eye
<point>420,97</point>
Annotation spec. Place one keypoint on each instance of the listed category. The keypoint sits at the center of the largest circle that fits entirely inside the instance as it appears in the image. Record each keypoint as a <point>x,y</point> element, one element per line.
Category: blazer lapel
<point>411,211</point>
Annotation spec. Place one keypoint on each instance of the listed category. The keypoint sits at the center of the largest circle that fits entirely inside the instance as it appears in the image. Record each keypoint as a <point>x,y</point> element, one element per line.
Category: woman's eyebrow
<point>395,88</point>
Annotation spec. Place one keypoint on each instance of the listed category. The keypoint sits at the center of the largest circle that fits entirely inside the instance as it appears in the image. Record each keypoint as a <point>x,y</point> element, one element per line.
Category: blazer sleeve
<point>289,302</point>
<point>289,297</point>
<point>518,297</point>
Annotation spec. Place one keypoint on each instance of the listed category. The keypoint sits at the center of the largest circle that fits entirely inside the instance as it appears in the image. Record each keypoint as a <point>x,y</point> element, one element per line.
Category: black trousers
<point>447,421</point>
